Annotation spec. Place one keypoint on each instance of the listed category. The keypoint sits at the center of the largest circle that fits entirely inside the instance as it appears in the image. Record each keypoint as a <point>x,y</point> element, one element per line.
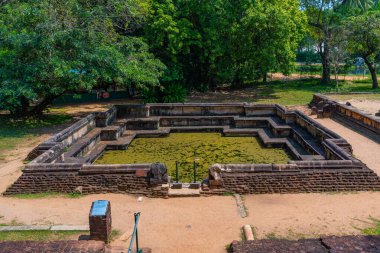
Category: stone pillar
<point>100,221</point>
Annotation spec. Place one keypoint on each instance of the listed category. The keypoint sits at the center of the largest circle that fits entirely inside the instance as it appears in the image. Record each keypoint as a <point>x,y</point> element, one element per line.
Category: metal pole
<point>195,171</point>
<point>176,171</point>
<point>137,217</point>
<point>137,236</point>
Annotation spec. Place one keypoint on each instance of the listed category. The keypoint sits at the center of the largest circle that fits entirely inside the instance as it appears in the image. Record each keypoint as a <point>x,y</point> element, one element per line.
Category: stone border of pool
<point>324,106</point>
<point>63,162</point>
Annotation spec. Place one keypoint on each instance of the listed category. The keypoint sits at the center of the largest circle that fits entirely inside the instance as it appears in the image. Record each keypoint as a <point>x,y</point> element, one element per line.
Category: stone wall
<point>330,244</point>
<point>299,176</point>
<point>301,181</point>
<point>64,165</point>
<point>323,106</point>
<point>88,179</point>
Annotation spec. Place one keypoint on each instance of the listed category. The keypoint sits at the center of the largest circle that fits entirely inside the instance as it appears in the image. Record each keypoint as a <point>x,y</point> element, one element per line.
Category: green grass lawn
<point>40,235</point>
<point>292,92</point>
<point>15,131</point>
<point>300,92</point>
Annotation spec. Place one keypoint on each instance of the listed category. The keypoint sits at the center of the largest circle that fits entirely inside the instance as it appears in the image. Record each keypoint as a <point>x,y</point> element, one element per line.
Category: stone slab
<point>25,228</point>
<point>70,228</point>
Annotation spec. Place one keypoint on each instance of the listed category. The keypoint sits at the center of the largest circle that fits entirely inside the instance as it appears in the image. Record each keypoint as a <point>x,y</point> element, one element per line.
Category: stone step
<point>184,192</point>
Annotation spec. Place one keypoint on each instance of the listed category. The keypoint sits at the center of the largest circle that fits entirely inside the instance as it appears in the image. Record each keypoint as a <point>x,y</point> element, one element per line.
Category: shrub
<point>174,93</point>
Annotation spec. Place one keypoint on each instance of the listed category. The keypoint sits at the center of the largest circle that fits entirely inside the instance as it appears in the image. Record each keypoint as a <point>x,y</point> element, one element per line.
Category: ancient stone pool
<point>239,147</point>
<point>204,148</point>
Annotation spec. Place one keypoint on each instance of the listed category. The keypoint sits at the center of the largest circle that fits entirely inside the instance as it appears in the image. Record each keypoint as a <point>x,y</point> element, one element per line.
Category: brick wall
<point>68,182</point>
<point>302,181</point>
<point>321,103</point>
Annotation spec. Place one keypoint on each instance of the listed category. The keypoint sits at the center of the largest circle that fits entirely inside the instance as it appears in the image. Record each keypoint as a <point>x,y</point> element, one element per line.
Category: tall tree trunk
<point>372,70</point>
<point>237,82</point>
<point>41,106</point>
<point>324,52</point>
<point>265,77</point>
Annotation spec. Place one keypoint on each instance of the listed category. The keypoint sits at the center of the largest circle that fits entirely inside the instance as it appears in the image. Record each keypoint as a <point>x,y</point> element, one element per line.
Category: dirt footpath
<point>366,146</point>
<point>206,224</point>
<point>203,224</point>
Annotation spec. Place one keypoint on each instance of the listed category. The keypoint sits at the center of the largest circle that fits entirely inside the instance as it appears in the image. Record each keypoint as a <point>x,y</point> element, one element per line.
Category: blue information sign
<point>99,208</point>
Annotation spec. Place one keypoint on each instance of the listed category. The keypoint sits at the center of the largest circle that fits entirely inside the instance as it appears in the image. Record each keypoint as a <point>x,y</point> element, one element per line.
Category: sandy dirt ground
<point>207,224</point>
<point>366,146</point>
<point>167,225</point>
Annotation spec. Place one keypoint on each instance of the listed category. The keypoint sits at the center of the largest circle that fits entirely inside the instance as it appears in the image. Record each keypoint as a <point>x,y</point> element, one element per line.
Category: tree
<point>50,47</point>
<point>338,55</point>
<point>364,40</point>
<point>323,16</point>
<point>266,39</point>
<point>205,43</point>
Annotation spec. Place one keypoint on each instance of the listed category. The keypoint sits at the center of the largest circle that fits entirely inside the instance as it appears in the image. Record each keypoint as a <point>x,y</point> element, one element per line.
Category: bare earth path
<point>207,224</point>
<point>365,149</point>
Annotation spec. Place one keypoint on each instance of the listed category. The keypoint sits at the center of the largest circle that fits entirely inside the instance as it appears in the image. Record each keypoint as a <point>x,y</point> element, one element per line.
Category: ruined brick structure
<point>331,244</point>
<point>322,160</point>
<point>323,106</point>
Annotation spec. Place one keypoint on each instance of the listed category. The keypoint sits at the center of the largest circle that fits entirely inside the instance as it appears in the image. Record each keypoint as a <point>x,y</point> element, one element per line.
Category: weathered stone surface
<point>25,228</point>
<point>333,244</point>
<point>215,172</point>
<point>352,244</point>
<point>278,246</point>
<point>326,165</point>
<point>331,108</point>
<point>52,247</point>
<point>158,174</point>
<point>70,228</point>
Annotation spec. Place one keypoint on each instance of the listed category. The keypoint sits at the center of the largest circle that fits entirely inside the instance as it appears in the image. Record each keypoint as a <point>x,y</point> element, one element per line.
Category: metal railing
<point>194,171</point>
<point>135,235</point>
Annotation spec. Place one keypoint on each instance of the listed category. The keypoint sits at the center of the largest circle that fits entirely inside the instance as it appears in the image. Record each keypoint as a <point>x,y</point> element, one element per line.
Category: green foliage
<point>267,37</point>
<point>363,38</point>
<point>205,43</point>
<point>51,47</point>
<point>150,95</point>
<point>373,230</point>
<point>364,34</point>
<point>174,93</point>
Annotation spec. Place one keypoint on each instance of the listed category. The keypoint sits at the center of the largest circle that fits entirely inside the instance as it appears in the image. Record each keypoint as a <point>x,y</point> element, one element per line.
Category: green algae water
<point>207,148</point>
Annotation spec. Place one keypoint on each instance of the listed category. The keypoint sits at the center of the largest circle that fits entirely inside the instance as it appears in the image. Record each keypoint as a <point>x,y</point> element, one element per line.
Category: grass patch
<point>272,236</point>
<point>292,92</point>
<point>373,230</point>
<point>114,234</point>
<point>14,131</point>
<point>39,235</point>
<point>228,193</point>
<point>46,195</point>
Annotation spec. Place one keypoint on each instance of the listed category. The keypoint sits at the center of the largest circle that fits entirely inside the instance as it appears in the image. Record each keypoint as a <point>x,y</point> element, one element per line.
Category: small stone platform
<point>332,244</point>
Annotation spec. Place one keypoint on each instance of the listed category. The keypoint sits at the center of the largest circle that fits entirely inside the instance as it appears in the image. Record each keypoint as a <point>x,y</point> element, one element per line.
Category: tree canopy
<point>164,48</point>
<point>51,47</point>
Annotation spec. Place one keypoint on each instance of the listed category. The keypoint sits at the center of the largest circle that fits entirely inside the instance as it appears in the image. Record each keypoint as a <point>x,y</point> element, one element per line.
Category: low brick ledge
<point>331,244</point>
